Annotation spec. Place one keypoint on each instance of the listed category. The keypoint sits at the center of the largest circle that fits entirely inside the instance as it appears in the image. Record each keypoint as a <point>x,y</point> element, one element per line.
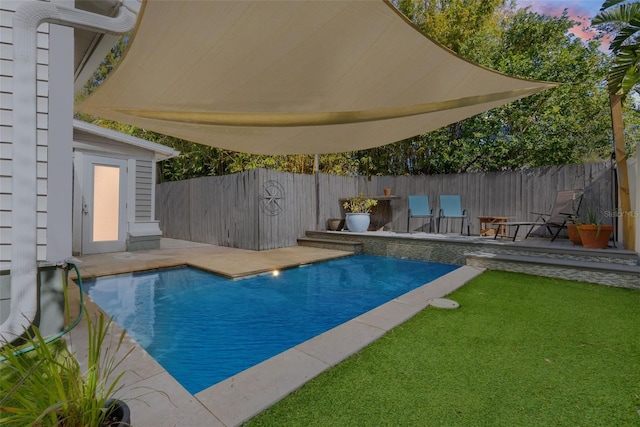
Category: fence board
<point>172,201</point>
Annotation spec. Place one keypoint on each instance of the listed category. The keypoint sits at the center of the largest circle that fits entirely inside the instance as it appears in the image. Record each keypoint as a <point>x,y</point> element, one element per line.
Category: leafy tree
<point>454,23</point>
<point>568,124</point>
<point>106,66</point>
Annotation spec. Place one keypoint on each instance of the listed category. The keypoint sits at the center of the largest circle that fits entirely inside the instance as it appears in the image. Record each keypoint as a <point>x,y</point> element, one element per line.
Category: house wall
<point>54,63</point>
<point>43,70</point>
<point>144,186</point>
<point>7,9</point>
<point>6,139</point>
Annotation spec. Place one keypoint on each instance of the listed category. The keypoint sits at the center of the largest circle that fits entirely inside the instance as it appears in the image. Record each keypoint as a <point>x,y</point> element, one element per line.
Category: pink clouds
<point>580,11</point>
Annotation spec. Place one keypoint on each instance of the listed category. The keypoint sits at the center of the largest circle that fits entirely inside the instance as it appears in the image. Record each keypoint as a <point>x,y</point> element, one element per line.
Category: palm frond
<point>625,74</point>
<point>623,13</point>
<point>628,33</point>
<point>608,3</point>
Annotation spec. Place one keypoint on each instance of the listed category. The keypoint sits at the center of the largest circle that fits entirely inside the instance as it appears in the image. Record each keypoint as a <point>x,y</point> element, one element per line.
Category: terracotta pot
<point>594,236</point>
<point>334,223</point>
<point>387,191</point>
<point>574,235</point>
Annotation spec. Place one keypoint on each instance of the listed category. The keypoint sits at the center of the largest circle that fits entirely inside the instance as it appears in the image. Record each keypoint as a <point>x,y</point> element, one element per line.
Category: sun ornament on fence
<point>272,198</point>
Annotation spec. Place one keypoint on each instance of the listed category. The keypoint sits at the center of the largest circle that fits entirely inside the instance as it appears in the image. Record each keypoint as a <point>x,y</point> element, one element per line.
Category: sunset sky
<point>579,10</point>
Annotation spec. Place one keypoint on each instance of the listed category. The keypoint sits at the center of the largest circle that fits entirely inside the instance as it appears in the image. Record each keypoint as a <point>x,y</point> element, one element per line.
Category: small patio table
<point>486,223</point>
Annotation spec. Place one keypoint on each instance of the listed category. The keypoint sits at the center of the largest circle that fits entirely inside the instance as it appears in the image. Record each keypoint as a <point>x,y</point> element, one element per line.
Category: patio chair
<point>566,207</point>
<point>419,208</point>
<point>451,207</point>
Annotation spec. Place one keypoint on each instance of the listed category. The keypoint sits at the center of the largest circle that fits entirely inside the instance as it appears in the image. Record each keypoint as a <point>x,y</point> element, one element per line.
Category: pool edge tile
<point>440,287</point>
<point>163,391</point>
<point>248,393</point>
<point>389,315</point>
<point>337,344</point>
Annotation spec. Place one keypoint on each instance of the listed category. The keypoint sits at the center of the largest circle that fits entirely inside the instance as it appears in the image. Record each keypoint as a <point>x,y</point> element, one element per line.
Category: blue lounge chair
<point>450,207</point>
<point>419,208</point>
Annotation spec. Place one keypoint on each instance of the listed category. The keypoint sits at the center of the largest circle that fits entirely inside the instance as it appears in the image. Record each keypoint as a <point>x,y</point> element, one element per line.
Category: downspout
<point>24,269</point>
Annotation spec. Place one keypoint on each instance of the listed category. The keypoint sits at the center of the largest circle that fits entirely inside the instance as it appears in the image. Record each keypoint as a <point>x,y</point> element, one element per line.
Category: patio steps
<point>605,273</point>
<point>340,245</point>
<point>572,252</point>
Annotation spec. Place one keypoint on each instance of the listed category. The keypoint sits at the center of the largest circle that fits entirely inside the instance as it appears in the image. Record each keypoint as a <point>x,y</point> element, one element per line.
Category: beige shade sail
<point>292,77</point>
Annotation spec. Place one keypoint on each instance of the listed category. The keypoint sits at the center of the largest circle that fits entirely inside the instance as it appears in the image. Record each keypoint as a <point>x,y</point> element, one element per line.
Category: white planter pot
<point>358,222</point>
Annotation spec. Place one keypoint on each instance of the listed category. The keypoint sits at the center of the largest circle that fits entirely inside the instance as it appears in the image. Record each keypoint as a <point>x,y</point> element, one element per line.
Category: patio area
<point>540,256</point>
<point>156,398</point>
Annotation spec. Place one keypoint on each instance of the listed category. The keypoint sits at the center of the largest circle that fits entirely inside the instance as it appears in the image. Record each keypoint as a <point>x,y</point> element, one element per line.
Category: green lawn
<point>520,351</point>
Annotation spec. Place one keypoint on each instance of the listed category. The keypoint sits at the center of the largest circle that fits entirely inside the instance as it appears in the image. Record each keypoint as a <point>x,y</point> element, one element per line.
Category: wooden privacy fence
<point>263,209</point>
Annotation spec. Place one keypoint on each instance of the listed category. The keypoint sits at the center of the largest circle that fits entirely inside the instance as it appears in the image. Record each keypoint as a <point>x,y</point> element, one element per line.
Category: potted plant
<point>47,387</point>
<point>593,233</point>
<point>358,213</point>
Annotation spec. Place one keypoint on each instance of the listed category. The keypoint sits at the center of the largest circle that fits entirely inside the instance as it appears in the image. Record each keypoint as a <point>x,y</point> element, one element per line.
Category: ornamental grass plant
<point>48,387</point>
<point>520,351</point>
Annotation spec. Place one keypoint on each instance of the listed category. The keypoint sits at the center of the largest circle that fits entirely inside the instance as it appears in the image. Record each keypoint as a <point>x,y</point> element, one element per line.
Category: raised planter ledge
<point>612,274</point>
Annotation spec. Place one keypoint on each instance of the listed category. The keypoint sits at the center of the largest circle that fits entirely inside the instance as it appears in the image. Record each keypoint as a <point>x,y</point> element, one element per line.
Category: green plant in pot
<point>358,212</point>
<point>47,386</point>
<point>593,233</point>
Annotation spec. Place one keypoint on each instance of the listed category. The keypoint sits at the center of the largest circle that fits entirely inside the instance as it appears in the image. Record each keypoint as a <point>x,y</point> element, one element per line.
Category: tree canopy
<point>569,124</point>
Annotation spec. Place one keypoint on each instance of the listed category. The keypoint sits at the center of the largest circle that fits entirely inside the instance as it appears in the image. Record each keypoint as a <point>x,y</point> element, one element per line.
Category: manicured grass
<point>520,351</point>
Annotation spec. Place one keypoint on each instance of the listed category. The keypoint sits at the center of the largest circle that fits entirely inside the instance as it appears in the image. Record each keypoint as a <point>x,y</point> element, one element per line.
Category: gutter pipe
<point>24,268</point>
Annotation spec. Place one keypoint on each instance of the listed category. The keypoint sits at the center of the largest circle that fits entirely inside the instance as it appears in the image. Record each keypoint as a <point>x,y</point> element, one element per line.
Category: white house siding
<point>54,62</point>
<point>144,190</point>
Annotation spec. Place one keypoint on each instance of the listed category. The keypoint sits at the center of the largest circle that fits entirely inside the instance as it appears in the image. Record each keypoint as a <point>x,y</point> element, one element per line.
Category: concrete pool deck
<point>157,399</point>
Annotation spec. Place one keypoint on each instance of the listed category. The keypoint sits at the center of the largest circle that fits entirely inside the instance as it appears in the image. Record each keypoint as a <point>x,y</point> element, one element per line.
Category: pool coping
<point>248,393</point>
<point>156,398</point>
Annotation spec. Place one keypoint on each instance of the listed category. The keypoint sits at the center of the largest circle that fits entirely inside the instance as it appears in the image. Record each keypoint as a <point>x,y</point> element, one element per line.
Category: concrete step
<point>604,273</point>
<point>575,253</point>
<point>340,245</point>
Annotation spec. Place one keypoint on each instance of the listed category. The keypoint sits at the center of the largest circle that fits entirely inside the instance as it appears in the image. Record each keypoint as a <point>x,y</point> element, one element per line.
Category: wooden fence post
<point>628,221</point>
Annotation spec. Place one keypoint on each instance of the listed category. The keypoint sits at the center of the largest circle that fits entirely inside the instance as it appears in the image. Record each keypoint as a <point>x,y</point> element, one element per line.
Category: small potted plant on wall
<point>47,387</point>
<point>358,215</point>
<point>593,233</point>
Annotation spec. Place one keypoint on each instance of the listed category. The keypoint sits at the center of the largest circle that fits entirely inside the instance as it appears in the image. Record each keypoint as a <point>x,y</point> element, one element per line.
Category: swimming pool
<point>203,328</point>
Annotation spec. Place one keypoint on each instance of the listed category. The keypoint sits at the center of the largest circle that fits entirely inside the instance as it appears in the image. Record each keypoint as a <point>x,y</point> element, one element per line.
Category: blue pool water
<point>203,328</point>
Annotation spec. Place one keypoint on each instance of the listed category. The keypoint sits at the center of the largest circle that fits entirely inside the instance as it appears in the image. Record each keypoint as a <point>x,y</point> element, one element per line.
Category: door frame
<point>86,202</point>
